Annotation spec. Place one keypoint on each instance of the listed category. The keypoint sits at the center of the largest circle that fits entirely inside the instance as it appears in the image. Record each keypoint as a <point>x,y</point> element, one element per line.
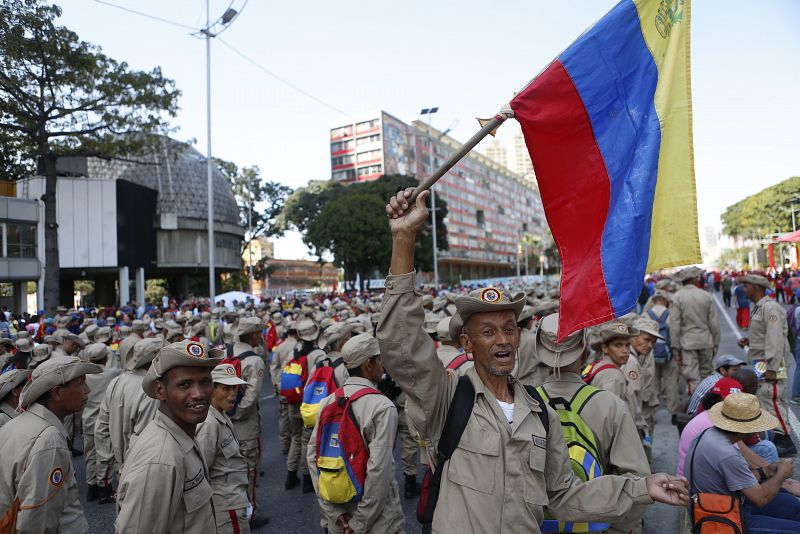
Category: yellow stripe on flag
<point>674,236</point>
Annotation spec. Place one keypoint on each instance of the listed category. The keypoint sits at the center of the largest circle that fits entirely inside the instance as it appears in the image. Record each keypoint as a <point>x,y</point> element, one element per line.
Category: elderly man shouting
<point>509,461</point>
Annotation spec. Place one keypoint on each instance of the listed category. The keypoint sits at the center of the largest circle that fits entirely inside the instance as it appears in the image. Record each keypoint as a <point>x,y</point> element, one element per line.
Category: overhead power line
<point>152,17</point>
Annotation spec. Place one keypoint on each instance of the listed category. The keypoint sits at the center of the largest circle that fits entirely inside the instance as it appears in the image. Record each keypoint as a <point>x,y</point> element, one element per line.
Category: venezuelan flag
<point>608,125</point>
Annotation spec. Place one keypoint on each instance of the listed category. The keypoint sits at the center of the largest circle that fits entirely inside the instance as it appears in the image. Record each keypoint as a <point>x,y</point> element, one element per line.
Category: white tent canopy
<point>238,296</point>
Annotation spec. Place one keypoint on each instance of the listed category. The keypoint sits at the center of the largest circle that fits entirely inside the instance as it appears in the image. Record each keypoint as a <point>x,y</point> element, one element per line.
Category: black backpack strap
<point>337,362</point>
<point>543,416</point>
<point>691,462</point>
<point>247,354</point>
<point>454,424</point>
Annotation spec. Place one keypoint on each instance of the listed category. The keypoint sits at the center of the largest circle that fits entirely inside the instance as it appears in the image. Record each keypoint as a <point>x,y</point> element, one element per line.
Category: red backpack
<point>342,455</point>
<point>457,362</point>
<point>593,369</point>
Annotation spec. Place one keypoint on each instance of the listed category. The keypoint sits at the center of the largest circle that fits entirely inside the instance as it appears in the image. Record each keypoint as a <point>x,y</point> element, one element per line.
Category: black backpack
<point>457,417</point>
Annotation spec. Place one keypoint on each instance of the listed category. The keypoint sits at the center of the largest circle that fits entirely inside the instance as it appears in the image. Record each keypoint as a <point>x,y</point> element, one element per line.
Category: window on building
<point>370,155</point>
<point>524,227</point>
<point>366,125</point>
<point>368,139</point>
<point>480,218</point>
<point>370,169</point>
<point>343,131</point>
<point>501,210</point>
<point>20,240</point>
<point>342,160</point>
<point>347,174</point>
<point>341,145</point>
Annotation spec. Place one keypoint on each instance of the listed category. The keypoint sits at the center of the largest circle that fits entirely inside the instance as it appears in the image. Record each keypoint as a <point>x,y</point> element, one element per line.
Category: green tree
<point>59,97</point>
<point>349,222</point>
<point>768,211</point>
<point>260,202</point>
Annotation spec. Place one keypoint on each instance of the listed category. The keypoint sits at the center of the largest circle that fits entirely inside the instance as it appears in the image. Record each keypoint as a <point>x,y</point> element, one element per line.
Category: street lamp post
<point>226,19</point>
<point>250,228</point>
<point>429,112</point>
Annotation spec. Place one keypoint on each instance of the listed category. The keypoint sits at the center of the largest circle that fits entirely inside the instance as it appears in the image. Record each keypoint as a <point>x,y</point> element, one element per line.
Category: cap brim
<point>150,378</point>
<point>231,381</point>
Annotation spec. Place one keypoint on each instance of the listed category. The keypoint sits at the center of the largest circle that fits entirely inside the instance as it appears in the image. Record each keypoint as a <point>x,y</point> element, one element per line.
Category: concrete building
<point>20,248</point>
<point>490,207</point>
<point>522,164</point>
<point>256,250</point>
<point>120,220</point>
<point>497,152</point>
<point>298,275</point>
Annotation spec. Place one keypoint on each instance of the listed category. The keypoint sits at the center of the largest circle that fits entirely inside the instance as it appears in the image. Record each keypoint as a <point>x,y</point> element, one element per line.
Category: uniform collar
<point>219,416</point>
<point>520,394</point>
<point>360,381</point>
<point>186,442</point>
<point>7,409</point>
<point>763,300</point>
<point>41,411</point>
<point>565,377</point>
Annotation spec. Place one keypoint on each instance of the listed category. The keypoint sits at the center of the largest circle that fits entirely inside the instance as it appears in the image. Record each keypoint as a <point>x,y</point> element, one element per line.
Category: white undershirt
<point>508,410</point>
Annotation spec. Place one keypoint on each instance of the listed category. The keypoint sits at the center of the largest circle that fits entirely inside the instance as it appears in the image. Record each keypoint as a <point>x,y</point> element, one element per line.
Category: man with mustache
<point>38,488</point>
<point>164,486</point>
<point>510,461</point>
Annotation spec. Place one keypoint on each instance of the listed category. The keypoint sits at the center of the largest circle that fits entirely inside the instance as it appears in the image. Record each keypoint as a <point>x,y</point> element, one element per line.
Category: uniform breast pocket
<point>535,483</point>
<point>229,447</point>
<point>474,462</point>
<point>196,493</point>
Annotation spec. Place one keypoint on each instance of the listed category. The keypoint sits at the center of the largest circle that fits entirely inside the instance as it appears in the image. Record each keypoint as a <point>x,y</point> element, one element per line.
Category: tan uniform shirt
<point>7,413</point>
<point>693,322</point>
<point>247,418</point>
<point>379,509</point>
<point>47,488</point>
<point>530,370</point>
<point>125,349</point>
<point>769,334</point>
<point>98,383</point>
<point>164,485</point>
<point>611,380</point>
<point>633,394</point>
<point>502,475</point>
<point>226,466</point>
<point>649,389</point>
<point>129,412</point>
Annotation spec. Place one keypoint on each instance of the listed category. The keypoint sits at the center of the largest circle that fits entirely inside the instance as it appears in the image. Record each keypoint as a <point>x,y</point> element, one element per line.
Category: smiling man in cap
<point>37,464</point>
<point>379,509</point>
<point>507,465</point>
<point>227,467</point>
<point>164,485</point>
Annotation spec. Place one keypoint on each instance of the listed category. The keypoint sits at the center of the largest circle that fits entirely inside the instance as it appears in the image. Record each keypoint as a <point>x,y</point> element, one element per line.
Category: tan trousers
<point>666,383</point>
<point>696,366</point>
<point>283,427</point>
<point>304,449</point>
<point>773,398</point>
<point>408,445</point>
<point>90,457</point>
<point>251,450</point>
<point>232,521</point>
<point>293,459</point>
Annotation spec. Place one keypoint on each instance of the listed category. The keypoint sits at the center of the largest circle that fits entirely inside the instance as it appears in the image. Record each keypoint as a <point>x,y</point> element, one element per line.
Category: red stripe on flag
<point>575,190</point>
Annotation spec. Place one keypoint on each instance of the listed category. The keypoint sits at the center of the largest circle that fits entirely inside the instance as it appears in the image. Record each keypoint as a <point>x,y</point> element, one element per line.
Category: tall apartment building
<point>522,164</point>
<point>490,208</point>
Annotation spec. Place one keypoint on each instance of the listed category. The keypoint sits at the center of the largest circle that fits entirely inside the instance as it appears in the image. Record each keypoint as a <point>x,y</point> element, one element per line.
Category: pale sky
<point>467,58</point>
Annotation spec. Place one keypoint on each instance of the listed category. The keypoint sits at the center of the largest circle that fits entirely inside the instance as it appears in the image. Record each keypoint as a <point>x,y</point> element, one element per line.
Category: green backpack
<point>583,451</point>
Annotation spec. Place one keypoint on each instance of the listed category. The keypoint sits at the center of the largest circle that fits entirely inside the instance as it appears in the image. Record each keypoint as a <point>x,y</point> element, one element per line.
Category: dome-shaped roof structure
<point>180,177</point>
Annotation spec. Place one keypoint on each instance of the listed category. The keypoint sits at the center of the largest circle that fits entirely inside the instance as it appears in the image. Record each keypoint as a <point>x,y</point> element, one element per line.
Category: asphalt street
<point>295,512</point>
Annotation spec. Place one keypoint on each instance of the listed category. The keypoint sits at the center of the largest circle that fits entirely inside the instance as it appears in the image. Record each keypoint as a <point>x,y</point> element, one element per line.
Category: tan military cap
<point>225,374</point>
<point>91,330</point>
<point>144,351</point>
<point>12,379</point>
<point>545,307</point>
<point>427,299</point>
<point>24,344</point>
<point>307,330</point>
<point>687,273</point>
<point>430,322</point>
<point>23,334</point>
<point>56,371</point>
<point>335,332</point>
<point>443,330</point>
<point>138,326</point>
<point>102,335</point>
<point>552,353</point>
<point>359,349</point>
<point>325,323</point>
<point>77,339</point>
<point>41,352</point>
<point>527,313</point>
<point>249,325</point>
<point>488,299</point>
<point>277,317</point>
<point>7,342</point>
<point>664,284</point>
<point>181,354</point>
<point>755,279</point>
<point>648,326</point>
<point>612,330</point>
<point>96,352</point>
<point>52,338</point>
<point>124,331</point>
<point>205,316</point>
<point>660,293</point>
<point>455,327</point>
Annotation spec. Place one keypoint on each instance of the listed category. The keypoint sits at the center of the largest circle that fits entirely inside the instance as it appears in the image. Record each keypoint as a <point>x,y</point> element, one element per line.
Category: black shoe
<point>92,493</point>
<point>785,446</point>
<point>258,522</point>
<point>308,486</point>
<point>412,488</point>
<point>76,452</point>
<point>291,480</point>
<point>261,473</point>
<point>106,495</point>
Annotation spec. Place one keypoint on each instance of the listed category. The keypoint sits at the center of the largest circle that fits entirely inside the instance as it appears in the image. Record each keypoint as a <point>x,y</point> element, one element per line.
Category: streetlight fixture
<point>429,112</point>
<point>212,30</point>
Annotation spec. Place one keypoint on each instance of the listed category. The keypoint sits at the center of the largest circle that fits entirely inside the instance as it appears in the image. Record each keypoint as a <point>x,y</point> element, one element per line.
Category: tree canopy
<point>349,222</point>
<point>61,96</point>
<point>768,211</point>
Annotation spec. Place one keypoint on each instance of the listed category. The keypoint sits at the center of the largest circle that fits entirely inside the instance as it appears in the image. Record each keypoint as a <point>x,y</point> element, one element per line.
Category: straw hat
<point>741,412</point>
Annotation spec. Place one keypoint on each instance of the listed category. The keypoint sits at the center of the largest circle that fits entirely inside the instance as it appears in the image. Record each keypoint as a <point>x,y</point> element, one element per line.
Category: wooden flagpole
<point>487,128</point>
